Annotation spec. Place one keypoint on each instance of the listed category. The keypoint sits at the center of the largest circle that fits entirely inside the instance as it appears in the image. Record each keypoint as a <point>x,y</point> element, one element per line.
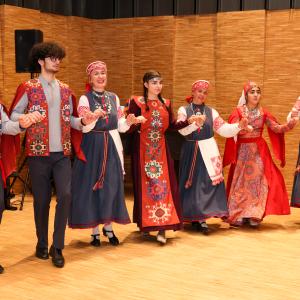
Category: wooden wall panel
<point>81,51</point>
<point>153,48</point>
<point>239,56</point>
<point>194,55</point>
<point>114,45</point>
<point>282,75</point>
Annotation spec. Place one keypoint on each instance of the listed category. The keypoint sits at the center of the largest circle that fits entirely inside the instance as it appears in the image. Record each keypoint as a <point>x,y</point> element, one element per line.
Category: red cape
<point>277,201</point>
<point>8,152</point>
<point>76,135</point>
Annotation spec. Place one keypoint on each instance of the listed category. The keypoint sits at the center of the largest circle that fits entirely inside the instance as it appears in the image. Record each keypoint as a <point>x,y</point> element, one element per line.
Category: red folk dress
<point>255,186</point>
<point>156,199</point>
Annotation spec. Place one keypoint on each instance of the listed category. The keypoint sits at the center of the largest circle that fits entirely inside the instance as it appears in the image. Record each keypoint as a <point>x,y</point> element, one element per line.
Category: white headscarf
<point>242,100</point>
<point>247,87</point>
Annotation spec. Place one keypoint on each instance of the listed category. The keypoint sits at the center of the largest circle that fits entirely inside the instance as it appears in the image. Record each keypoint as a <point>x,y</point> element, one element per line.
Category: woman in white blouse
<point>201,182</point>
<point>97,182</point>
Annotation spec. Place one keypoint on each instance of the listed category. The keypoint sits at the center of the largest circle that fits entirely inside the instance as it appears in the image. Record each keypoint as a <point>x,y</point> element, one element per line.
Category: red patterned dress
<point>156,200</point>
<point>255,185</point>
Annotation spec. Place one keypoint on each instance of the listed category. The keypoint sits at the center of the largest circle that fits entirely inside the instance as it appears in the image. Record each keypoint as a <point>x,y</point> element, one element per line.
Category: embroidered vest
<point>37,135</point>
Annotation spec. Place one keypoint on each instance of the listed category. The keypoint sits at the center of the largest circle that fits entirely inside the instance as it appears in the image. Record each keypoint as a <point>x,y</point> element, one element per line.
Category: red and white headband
<point>200,84</point>
<point>96,65</point>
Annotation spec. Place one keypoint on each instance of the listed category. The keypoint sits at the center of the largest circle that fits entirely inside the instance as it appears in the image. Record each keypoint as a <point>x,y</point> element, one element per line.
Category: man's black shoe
<point>57,258</point>
<point>41,253</point>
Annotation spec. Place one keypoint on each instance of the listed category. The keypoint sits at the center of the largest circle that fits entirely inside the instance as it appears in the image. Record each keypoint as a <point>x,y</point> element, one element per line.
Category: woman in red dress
<point>156,199</point>
<point>255,186</point>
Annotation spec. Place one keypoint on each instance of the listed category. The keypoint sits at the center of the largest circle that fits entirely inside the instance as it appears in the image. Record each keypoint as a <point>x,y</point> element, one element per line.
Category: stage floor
<point>230,264</point>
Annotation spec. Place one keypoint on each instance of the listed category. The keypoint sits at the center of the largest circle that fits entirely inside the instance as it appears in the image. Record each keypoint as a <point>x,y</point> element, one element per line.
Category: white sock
<point>108,227</point>
<point>162,233</point>
<point>95,231</point>
<point>203,224</point>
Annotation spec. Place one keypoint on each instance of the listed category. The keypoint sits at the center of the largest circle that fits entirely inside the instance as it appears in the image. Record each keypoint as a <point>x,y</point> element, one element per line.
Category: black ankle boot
<point>95,240</point>
<point>113,240</point>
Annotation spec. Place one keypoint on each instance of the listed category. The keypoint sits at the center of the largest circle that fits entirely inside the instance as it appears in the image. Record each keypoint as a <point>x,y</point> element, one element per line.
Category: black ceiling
<point>109,9</point>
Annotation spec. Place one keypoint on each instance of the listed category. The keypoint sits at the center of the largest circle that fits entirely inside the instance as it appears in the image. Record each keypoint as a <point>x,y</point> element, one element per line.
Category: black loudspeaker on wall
<point>24,40</point>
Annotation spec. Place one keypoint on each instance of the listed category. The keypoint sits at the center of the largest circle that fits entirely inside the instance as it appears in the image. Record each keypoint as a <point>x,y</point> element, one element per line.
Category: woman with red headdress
<point>255,185</point>
<point>156,198</point>
<point>201,183</point>
<point>97,181</point>
<point>295,201</point>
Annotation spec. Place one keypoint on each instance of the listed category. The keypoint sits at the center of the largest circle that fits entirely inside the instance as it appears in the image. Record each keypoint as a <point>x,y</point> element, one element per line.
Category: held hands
<point>198,119</point>
<point>26,120</point>
<point>90,117</point>
<point>141,119</point>
<point>132,119</point>
<point>35,117</point>
<point>243,124</point>
<point>292,122</point>
<point>295,114</point>
<point>100,113</point>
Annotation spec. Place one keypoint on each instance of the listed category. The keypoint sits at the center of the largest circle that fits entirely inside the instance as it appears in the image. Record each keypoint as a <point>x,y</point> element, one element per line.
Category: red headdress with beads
<point>96,65</point>
<point>247,87</point>
<point>197,85</point>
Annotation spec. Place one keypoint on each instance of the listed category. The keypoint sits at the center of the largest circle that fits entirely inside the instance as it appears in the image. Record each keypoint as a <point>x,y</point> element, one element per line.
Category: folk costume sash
<point>212,159</point>
<point>157,202</point>
<point>205,141</point>
<point>37,135</point>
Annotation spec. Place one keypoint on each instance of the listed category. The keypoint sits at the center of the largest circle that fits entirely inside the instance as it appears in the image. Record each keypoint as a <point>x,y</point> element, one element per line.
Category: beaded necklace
<point>251,112</point>
<point>101,100</point>
<point>197,111</point>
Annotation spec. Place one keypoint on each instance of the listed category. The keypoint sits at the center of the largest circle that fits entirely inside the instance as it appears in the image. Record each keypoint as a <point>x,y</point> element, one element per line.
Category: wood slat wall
<point>225,48</point>
<point>153,48</point>
<point>239,56</point>
<point>195,44</point>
